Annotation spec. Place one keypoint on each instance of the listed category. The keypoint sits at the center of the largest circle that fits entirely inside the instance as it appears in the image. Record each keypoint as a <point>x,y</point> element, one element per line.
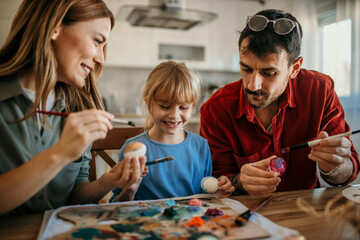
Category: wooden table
<point>282,210</point>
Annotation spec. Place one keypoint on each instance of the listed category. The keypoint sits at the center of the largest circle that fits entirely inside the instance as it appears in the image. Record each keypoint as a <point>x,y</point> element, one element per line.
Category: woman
<point>51,61</point>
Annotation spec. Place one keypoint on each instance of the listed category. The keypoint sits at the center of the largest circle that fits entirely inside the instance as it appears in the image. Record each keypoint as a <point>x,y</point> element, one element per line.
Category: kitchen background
<point>330,45</point>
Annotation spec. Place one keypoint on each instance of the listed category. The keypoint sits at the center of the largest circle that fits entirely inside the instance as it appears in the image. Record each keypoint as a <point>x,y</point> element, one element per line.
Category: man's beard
<point>266,101</point>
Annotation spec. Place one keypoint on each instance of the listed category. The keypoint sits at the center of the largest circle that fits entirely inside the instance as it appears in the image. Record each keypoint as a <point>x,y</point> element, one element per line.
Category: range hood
<point>169,14</point>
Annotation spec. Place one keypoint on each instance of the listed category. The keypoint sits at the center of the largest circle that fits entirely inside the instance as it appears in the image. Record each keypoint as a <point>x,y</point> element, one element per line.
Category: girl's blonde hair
<point>173,81</point>
<point>28,47</point>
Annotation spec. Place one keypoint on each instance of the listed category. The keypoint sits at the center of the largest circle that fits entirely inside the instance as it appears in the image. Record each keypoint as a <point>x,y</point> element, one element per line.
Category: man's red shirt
<point>308,106</point>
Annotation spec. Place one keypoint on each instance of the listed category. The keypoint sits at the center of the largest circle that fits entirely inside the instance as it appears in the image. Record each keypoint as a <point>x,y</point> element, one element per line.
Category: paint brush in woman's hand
<point>114,120</point>
<point>244,217</point>
<point>317,141</point>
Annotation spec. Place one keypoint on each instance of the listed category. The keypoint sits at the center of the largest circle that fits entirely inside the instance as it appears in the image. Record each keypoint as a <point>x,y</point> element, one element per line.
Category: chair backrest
<point>114,140</point>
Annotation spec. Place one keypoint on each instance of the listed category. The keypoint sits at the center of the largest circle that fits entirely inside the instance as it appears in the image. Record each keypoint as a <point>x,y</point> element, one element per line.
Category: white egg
<point>209,184</point>
<point>135,149</point>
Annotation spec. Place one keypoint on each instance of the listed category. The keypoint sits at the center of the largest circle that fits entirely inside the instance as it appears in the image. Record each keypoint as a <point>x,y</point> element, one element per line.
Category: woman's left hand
<point>125,173</point>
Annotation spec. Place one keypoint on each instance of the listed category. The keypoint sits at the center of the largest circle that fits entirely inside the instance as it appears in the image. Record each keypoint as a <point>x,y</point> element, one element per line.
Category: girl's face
<point>169,119</point>
<point>78,48</point>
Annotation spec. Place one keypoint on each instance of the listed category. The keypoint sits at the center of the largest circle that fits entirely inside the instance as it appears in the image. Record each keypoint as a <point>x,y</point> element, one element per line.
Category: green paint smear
<point>85,233</point>
<point>183,213</point>
<point>128,228</point>
<point>137,211</point>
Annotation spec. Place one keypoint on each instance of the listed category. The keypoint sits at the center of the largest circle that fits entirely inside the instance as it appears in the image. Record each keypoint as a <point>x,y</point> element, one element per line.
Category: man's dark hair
<point>268,41</point>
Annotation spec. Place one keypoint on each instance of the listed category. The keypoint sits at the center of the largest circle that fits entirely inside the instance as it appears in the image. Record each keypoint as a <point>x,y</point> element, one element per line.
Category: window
<point>336,55</point>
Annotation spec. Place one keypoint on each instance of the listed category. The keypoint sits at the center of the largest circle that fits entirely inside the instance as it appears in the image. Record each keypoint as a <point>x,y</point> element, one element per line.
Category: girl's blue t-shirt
<point>179,177</point>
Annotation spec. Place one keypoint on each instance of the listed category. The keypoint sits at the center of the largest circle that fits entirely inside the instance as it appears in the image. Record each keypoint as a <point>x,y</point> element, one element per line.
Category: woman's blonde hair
<point>173,81</point>
<point>28,47</point>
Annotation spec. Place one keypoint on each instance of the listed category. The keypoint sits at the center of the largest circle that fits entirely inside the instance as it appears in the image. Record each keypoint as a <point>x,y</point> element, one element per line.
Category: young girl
<point>171,94</point>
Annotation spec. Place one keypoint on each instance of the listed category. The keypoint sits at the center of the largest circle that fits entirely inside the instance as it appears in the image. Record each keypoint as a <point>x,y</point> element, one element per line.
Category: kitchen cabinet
<point>139,46</point>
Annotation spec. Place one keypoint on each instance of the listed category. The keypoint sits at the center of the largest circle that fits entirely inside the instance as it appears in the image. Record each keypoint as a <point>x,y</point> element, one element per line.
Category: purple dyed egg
<point>277,165</point>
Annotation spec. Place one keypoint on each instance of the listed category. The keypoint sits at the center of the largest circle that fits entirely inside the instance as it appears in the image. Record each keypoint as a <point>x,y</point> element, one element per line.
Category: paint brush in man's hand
<point>317,141</point>
<point>244,217</point>
<point>164,159</point>
<point>114,120</point>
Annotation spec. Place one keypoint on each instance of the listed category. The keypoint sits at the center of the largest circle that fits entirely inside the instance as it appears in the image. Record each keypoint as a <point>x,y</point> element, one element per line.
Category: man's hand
<point>256,179</point>
<point>330,153</point>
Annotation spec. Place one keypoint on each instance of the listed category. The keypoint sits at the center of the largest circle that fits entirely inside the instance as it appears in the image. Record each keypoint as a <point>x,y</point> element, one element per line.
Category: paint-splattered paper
<point>146,220</point>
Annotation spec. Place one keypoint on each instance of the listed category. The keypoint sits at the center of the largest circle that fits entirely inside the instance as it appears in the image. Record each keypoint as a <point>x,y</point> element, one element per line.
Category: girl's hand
<point>225,188</point>
<point>81,129</point>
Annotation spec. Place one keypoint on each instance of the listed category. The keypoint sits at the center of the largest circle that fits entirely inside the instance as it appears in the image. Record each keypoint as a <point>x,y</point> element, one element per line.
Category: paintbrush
<point>114,120</point>
<point>159,160</point>
<point>243,218</point>
<point>317,141</point>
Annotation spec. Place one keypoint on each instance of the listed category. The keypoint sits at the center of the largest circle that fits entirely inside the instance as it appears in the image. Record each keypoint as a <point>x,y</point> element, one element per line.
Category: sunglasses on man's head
<point>282,26</point>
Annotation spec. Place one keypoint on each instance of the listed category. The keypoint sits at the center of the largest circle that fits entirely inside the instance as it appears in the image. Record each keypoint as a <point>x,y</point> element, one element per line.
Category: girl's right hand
<point>81,129</point>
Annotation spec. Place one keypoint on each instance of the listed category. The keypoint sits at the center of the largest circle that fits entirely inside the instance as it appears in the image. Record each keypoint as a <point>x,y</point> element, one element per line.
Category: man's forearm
<point>340,175</point>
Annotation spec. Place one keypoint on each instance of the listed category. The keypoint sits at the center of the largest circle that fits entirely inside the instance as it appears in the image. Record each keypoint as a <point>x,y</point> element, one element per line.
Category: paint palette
<point>146,220</point>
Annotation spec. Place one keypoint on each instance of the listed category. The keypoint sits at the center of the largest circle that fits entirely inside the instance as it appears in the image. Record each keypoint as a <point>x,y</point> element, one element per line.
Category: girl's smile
<point>169,120</point>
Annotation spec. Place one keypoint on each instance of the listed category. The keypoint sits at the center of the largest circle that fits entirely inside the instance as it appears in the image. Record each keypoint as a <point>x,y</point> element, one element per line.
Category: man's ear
<point>56,33</point>
<point>296,66</point>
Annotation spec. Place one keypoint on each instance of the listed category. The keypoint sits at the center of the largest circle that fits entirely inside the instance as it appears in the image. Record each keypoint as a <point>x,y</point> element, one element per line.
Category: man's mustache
<point>256,93</point>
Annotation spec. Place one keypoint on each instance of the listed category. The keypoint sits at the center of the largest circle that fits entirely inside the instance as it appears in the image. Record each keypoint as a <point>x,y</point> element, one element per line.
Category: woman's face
<point>78,48</point>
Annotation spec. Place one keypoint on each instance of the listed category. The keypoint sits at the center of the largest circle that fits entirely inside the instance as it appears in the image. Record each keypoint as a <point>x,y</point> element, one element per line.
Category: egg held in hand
<point>277,165</point>
<point>209,184</point>
<point>134,149</point>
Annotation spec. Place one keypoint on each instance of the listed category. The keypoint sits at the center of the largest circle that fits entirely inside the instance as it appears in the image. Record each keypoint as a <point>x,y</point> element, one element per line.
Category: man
<point>275,105</point>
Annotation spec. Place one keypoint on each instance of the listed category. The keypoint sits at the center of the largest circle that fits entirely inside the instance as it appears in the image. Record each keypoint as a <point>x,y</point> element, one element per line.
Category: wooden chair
<point>114,140</point>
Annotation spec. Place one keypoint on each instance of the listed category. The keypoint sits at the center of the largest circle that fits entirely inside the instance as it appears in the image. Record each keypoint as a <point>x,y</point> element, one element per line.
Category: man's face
<point>265,78</point>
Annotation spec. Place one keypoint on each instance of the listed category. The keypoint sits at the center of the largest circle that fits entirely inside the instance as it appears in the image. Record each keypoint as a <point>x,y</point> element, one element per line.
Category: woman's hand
<point>81,129</point>
<point>126,174</point>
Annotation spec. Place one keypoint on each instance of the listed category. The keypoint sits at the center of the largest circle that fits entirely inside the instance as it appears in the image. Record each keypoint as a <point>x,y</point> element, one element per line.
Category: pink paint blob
<point>195,202</point>
<point>277,165</point>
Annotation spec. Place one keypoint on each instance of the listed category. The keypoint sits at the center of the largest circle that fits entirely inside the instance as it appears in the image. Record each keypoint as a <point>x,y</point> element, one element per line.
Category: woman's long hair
<point>28,48</point>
